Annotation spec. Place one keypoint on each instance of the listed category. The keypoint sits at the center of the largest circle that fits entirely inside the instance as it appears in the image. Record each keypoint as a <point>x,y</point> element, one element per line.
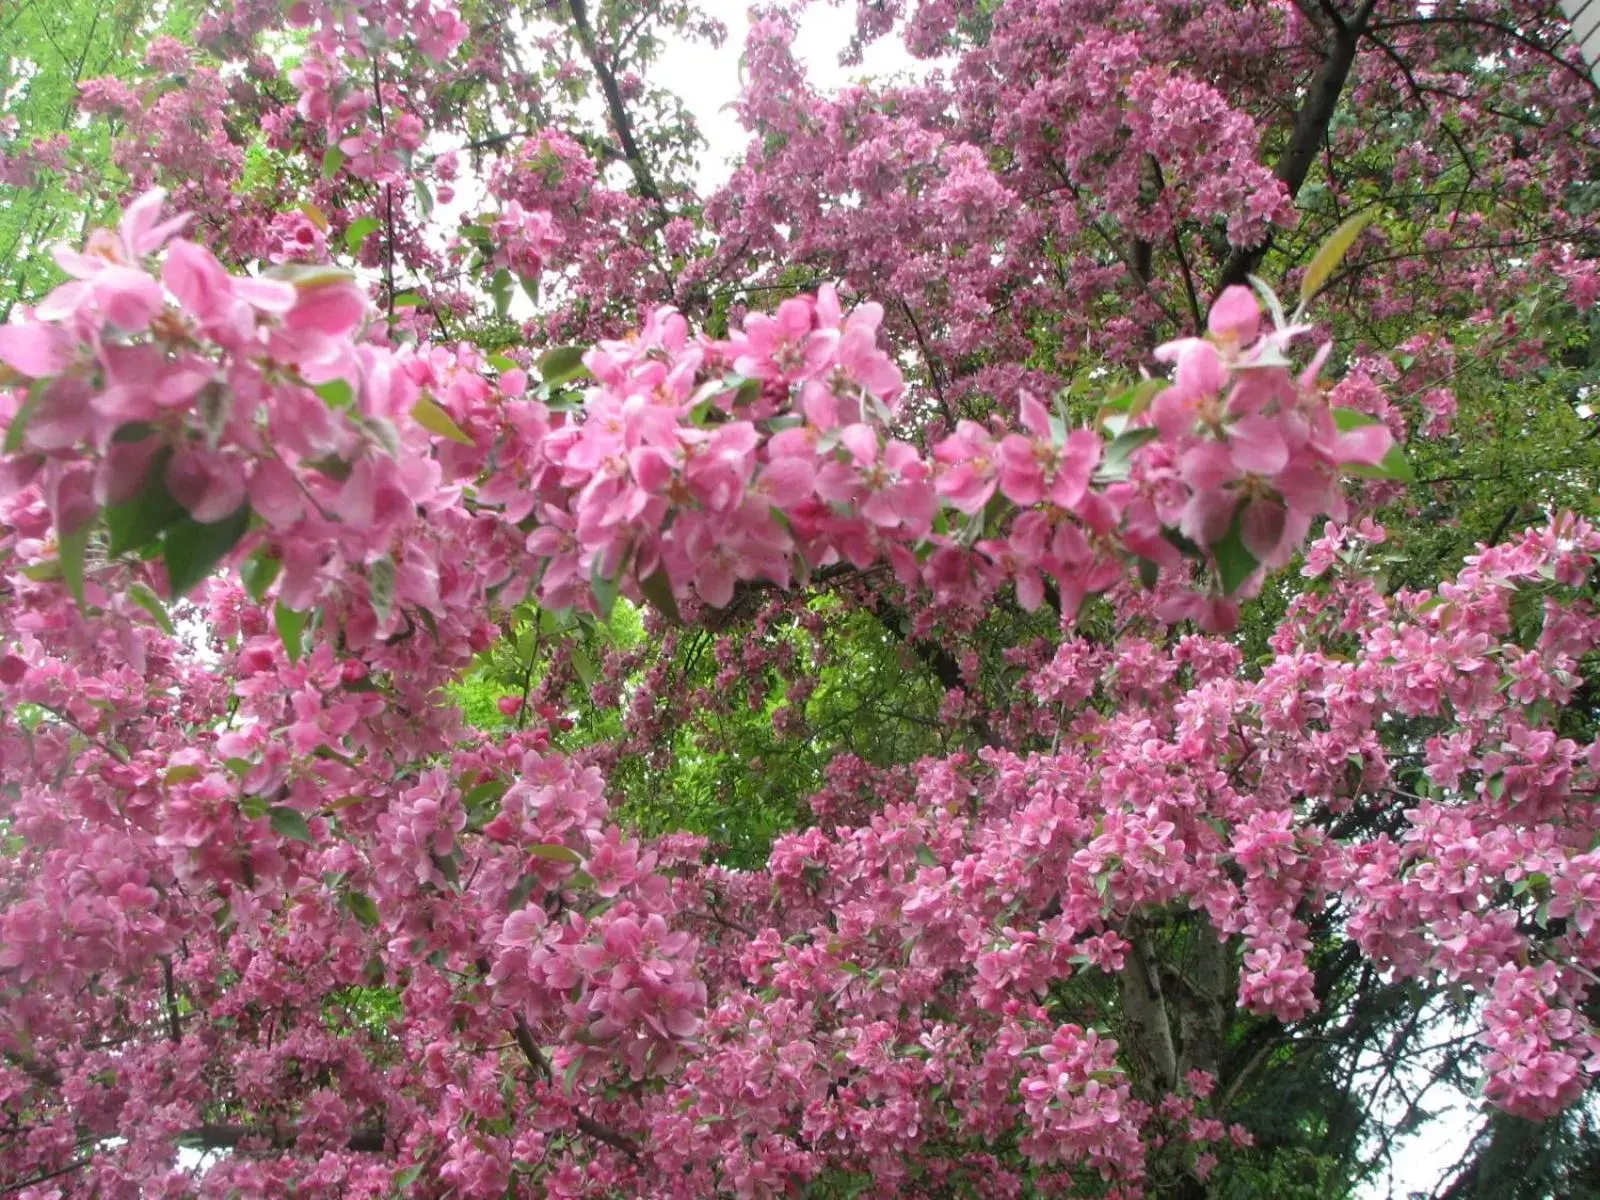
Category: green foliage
<point>47,47</point>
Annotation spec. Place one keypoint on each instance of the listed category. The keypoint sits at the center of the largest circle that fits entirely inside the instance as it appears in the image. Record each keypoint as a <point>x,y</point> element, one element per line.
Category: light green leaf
<point>151,603</point>
<point>290,625</point>
<point>258,572</point>
<point>70,549</point>
<point>332,161</point>
<point>1331,253</point>
<point>380,586</point>
<point>358,233</point>
<point>336,393</point>
<point>435,420</point>
<point>18,429</point>
<point>1395,466</point>
<point>555,852</point>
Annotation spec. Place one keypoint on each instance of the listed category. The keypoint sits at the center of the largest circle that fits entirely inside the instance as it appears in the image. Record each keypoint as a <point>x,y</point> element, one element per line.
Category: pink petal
<point>1258,446</point>
<point>36,350</point>
<point>1236,315</point>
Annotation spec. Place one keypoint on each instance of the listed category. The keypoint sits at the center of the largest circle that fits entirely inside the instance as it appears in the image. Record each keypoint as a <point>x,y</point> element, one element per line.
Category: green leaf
<point>151,603</point>
<point>501,363</point>
<point>555,852</point>
<point>1346,419</point>
<point>137,522</point>
<point>70,550</point>
<point>484,793</point>
<point>43,572</point>
<point>1235,564</point>
<point>584,666</point>
<point>658,590</point>
<point>435,420</point>
<point>336,393</point>
<point>424,198</point>
<point>1119,454</point>
<point>380,586</point>
<point>363,908</point>
<point>190,548</point>
<point>404,1179</point>
<point>1331,253</point>
<point>1395,465</point>
<point>290,626</point>
<point>569,1077</point>
<point>182,774</point>
<point>409,300</point>
<point>605,591</point>
<point>358,233</point>
<point>520,893</point>
<point>18,429</point>
<point>562,365</point>
<point>500,292</point>
<point>288,822</point>
<point>332,161</point>
<point>258,572</point>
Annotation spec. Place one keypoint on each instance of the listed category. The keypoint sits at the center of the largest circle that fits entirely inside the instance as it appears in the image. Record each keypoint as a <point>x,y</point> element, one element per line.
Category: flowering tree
<point>895,679</point>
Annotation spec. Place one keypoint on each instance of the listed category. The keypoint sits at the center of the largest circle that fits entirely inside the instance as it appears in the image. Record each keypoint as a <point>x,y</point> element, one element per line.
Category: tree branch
<point>621,123</point>
<point>1310,129</point>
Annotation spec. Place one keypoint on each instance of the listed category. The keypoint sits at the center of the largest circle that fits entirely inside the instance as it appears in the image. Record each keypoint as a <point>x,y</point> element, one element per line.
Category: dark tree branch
<point>1310,129</point>
<point>174,1026</point>
<point>541,1068</point>
<point>1578,72</point>
<point>621,123</point>
<point>231,1137</point>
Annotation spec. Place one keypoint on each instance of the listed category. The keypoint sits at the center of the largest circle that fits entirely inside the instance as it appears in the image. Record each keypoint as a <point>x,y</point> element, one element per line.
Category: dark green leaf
<point>288,822</point>
<point>605,591</point>
<point>137,522</point>
<point>191,549</point>
<point>1119,454</point>
<point>562,365</point>
<point>1235,564</point>
<point>363,908</point>
<point>658,590</point>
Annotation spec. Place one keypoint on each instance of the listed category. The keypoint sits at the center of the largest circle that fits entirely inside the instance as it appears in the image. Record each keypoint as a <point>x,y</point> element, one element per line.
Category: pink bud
<point>1236,316</point>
